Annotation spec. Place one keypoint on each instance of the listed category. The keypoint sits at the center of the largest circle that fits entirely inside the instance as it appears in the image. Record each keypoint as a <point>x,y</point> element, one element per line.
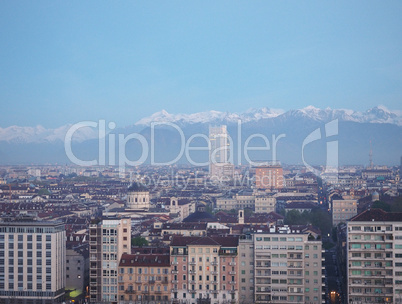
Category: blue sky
<point>66,61</point>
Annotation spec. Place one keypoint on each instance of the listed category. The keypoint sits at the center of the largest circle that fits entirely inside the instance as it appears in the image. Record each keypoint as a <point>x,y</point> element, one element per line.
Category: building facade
<point>246,270</point>
<point>287,267</point>
<point>144,278</point>
<point>33,261</point>
<point>265,204</point>
<point>269,177</point>
<point>219,153</point>
<point>108,240</point>
<point>374,257</point>
<point>343,210</point>
<point>204,269</point>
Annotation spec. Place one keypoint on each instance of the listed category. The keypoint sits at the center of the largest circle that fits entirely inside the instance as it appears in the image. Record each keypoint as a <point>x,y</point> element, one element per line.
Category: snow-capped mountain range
<point>379,114</point>
<point>19,134</point>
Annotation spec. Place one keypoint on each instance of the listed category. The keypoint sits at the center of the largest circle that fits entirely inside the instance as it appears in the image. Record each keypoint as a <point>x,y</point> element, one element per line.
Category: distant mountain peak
<point>378,114</point>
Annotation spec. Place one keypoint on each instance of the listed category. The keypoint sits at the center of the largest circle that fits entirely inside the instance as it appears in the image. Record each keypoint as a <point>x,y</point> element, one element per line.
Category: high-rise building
<point>204,269</point>
<point>32,261</point>
<point>109,239</point>
<point>269,177</point>
<point>287,267</point>
<point>374,257</point>
<point>219,154</point>
<point>246,269</point>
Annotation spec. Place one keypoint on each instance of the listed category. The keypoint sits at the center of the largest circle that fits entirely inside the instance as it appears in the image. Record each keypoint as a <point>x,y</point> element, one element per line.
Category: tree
<point>139,241</point>
<point>397,205</point>
<point>381,205</point>
<point>294,217</point>
<point>321,219</point>
<point>43,191</point>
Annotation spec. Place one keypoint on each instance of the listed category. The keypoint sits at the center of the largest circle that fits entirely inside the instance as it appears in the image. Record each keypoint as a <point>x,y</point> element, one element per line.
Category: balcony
<point>175,271</point>
<point>232,263</point>
<point>214,263</point>
<point>232,282</point>
<point>232,272</point>
<point>174,281</point>
<point>175,263</point>
<point>192,291</point>
<point>214,291</point>
<point>192,262</point>
<point>151,282</point>
<point>130,291</point>
<point>214,272</point>
<point>192,272</point>
<point>174,290</point>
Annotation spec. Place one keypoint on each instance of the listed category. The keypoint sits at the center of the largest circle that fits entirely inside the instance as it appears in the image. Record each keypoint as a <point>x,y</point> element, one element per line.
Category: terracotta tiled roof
<point>377,215</point>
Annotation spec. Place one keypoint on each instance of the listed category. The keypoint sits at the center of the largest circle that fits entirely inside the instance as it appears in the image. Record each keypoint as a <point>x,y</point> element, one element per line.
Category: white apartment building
<point>32,261</point>
<point>108,240</point>
<point>374,257</point>
<point>287,267</point>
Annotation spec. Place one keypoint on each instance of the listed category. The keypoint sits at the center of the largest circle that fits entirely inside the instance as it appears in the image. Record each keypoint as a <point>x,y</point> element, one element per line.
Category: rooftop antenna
<point>371,156</point>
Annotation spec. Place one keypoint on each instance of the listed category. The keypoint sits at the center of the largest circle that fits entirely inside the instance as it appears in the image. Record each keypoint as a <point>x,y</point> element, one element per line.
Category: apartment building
<point>204,269</point>
<point>269,177</point>
<point>374,257</point>
<point>265,204</point>
<point>226,203</point>
<point>109,239</point>
<point>343,210</point>
<point>288,266</point>
<point>246,269</point>
<point>144,278</point>
<point>77,269</point>
<point>245,200</point>
<point>32,261</point>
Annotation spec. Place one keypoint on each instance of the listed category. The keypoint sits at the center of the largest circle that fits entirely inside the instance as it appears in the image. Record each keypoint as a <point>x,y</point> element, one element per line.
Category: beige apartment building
<point>144,278</point>
<point>108,241</point>
<point>33,256</point>
<point>343,210</point>
<point>374,257</point>
<point>265,204</point>
<point>226,203</point>
<point>288,267</point>
<point>204,269</point>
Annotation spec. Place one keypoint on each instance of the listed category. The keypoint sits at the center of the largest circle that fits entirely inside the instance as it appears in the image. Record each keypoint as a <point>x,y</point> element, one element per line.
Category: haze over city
<point>200,152</point>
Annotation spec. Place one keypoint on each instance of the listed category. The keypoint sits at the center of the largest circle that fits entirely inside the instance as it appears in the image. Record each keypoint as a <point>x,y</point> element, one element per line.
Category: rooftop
<point>377,215</point>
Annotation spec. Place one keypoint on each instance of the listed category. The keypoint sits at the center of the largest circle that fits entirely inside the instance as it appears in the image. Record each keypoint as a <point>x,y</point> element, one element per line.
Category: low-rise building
<point>343,210</point>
